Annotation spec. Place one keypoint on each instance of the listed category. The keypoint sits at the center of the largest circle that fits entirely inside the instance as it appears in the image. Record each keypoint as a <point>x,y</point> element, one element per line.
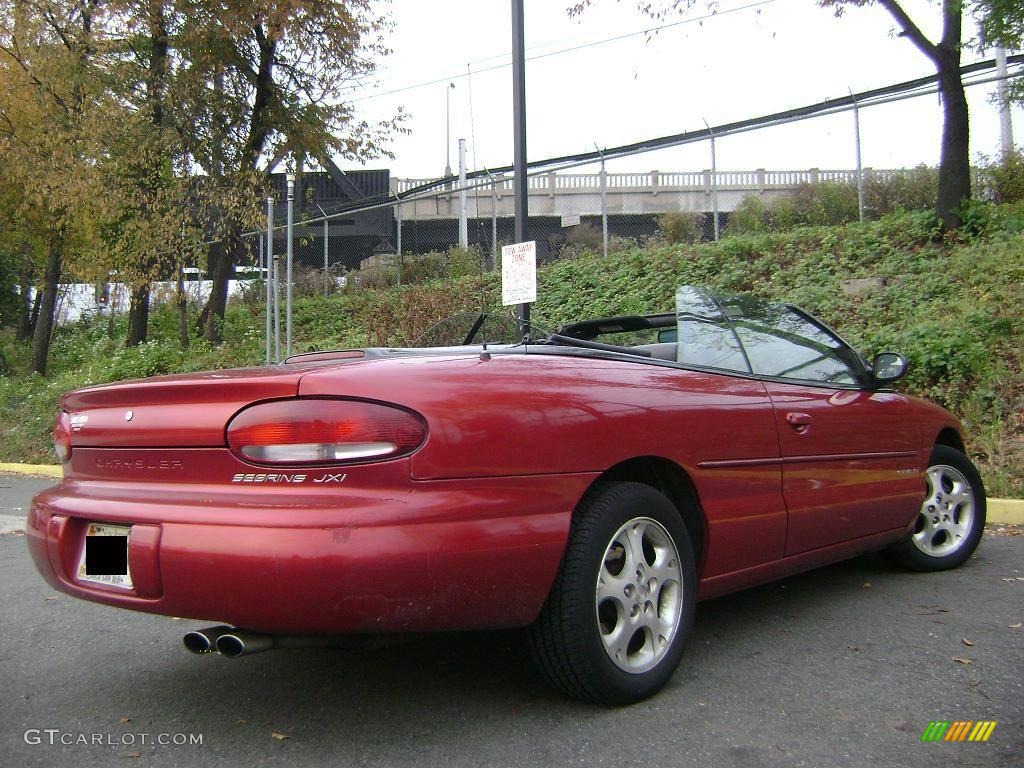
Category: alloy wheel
<point>947,513</point>
<point>639,595</point>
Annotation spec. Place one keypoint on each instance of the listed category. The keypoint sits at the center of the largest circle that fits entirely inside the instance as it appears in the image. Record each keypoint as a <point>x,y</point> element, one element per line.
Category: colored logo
<point>958,730</point>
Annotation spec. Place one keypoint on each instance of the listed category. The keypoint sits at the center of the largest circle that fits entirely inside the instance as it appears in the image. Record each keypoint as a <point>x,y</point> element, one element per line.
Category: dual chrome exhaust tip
<point>227,641</point>
<point>234,642</point>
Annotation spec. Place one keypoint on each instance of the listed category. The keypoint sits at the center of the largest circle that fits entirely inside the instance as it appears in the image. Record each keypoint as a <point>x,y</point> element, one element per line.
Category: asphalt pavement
<point>843,666</point>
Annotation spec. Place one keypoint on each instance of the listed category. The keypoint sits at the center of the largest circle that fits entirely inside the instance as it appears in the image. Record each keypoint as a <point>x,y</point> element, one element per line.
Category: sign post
<point>519,274</point>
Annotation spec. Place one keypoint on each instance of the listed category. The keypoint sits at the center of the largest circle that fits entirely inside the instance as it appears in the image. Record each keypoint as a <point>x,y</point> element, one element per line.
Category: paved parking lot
<point>844,666</point>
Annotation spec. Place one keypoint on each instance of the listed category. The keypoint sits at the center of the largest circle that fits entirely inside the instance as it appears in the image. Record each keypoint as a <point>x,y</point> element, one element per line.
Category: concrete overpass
<point>654,192</point>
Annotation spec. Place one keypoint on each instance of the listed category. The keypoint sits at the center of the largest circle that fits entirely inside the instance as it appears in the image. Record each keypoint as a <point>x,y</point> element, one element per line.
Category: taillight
<point>62,437</point>
<point>315,431</point>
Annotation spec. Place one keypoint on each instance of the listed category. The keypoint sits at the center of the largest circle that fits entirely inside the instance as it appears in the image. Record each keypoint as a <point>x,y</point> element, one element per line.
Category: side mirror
<point>668,336</point>
<point>888,367</point>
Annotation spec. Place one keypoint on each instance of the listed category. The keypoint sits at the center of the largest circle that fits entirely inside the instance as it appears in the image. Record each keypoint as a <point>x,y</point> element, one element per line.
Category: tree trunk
<point>138,316</point>
<point>48,305</point>
<point>954,162</point>
<point>212,317</point>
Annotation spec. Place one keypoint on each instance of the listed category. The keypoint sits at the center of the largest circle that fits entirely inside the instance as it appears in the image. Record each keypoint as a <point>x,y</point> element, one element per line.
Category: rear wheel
<point>613,628</point>
<point>952,517</point>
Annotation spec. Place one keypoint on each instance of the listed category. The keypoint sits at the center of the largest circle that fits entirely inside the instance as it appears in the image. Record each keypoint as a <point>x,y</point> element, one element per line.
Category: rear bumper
<point>455,554</point>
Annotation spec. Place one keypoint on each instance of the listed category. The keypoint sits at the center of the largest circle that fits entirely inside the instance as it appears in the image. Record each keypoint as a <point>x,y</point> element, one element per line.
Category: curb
<point>1005,511</point>
<point>39,470</point>
<point>1000,511</point>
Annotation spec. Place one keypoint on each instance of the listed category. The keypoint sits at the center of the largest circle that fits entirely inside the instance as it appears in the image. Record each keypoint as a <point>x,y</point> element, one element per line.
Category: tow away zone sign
<point>519,273</point>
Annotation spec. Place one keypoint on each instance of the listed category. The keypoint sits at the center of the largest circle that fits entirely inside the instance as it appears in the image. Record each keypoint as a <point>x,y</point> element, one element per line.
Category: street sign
<point>519,273</point>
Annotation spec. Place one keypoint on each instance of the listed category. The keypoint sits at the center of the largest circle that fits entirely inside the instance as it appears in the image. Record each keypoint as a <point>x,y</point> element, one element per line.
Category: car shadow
<point>485,671</point>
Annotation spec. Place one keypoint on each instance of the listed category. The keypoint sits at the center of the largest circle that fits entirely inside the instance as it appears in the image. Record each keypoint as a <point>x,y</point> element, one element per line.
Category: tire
<point>952,517</point>
<point>614,625</point>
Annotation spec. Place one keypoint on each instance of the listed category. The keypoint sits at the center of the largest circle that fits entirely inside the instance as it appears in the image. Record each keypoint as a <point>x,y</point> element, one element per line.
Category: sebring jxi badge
<point>285,478</point>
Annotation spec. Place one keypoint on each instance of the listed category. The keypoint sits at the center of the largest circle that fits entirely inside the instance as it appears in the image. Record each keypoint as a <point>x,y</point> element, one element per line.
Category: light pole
<point>448,130</point>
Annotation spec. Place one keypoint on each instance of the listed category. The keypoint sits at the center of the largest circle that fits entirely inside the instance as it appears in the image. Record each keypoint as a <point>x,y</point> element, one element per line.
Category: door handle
<point>799,421</point>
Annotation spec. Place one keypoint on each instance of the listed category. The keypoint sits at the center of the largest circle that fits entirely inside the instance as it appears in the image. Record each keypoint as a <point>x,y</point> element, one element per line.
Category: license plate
<point>105,556</point>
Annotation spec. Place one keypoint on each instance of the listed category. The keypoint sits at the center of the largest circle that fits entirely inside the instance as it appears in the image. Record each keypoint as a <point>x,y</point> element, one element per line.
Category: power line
<point>898,91</point>
<point>570,49</point>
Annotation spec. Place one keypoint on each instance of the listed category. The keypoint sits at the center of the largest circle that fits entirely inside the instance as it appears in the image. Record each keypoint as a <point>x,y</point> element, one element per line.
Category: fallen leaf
<point>126,719</point>
<point>132,754</point>
<point>852,648</point>
<point>867,585</point>
<point>280,736</point>
<point>53,597</point>
<point>962,660</point>
<point>965,641</point>
<point>1015,626</point>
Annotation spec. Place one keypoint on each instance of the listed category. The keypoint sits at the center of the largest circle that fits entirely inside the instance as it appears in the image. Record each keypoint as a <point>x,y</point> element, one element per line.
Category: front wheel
<point>613,628</point>
<point>952,517</point>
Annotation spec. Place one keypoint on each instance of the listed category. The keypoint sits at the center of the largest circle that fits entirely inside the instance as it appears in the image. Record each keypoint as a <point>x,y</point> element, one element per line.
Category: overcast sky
<point>761,57</point>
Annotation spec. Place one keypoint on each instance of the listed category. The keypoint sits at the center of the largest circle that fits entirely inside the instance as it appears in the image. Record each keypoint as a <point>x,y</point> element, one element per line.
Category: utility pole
<point>860,168</point>
<point>1005,123</point>
<point>519,181</point>
<point>463,214</point>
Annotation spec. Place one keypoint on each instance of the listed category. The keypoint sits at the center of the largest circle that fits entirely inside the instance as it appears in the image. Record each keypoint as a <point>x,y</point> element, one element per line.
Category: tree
<point>262,80</point>
<point>954,184</point>
<point>48,109</point>
<point>145,167</point>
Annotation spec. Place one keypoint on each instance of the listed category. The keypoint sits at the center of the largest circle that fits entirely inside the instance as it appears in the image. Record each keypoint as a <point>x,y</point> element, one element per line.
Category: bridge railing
<point>668,181</point>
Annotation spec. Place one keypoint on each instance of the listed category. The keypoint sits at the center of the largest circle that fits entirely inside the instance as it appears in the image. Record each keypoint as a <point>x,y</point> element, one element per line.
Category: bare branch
<point>911,30</point>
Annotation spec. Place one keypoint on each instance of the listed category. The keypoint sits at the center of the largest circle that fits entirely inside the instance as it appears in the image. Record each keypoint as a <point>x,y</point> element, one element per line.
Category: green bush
<point>750,216</point>
<point>1005,180</point>
<point>832,203</point>
<point>911,190</point>
<point>681,227</point>
<point>810,205</point>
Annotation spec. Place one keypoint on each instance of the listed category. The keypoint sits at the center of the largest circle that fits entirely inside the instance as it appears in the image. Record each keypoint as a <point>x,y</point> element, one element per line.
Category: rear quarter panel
<point>520,415</point>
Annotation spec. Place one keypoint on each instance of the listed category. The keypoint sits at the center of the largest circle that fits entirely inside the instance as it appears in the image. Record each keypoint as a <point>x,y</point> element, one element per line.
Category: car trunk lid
<point>182,411</point>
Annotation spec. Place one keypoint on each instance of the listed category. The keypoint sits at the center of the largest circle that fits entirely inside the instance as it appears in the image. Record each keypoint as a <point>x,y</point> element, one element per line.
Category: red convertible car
<point>593,484</point>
